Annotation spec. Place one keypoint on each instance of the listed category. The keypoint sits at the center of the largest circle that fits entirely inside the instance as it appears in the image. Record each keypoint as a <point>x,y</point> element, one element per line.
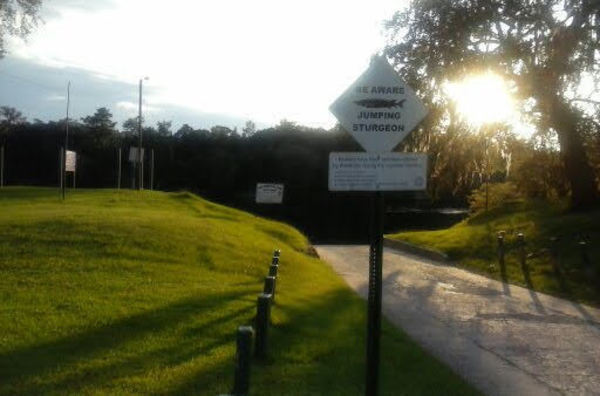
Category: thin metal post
<point>273,269</point>
<point>61,164</point>
<point>2,166</point>
<point>522,253</point>
<point>501,250</point>
<point>374,301</point>
<point>241,385</point>
<point>152,170</point>
<point>585,259</point>
<point>67,119</point>
<point>263,315</point>
<point>119,169</point>
<point>142,169</point>
<point>139,152</point>
<point>75,170</point>
<point>63,172</point>
<point>66,148</point>
<point>554,254</point>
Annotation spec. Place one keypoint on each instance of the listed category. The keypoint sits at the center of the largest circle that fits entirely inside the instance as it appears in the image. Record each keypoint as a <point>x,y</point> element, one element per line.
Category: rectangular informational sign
<point>377,171</point>
<point>133,154</point>
<point>268,193</point>
<point>70,161</point>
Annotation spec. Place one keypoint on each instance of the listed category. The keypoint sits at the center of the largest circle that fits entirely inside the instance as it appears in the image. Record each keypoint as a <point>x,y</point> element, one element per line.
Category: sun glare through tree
<point>482,99</point>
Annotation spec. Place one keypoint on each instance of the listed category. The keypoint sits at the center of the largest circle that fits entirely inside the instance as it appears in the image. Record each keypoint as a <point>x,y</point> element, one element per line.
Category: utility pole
<point>139,150</point>
<point>2,166</point>
<point>140,163</point>
<point>152,170</point>
<point>64,156</point>
<point>119,170</point>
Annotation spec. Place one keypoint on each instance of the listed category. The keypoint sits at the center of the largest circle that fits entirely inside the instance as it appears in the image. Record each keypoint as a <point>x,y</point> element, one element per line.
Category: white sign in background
<point>133,154</point>
<point>70,161</point>
<point>377,171</point>
<point>379,109</point>
<point>268,193</point>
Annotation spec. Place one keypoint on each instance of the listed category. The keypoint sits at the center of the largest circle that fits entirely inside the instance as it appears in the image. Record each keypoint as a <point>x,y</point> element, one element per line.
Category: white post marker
<point>70,161</point>
<point>269,193</point>
<point>133,152</point>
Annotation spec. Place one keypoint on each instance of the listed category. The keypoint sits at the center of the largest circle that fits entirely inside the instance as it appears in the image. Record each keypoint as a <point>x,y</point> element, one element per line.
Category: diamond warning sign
<point>379,109</point>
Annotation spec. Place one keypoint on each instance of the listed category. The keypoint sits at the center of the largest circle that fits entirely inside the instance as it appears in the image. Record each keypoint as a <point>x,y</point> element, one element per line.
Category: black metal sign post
<point>375,290</point>
<point>378,91</point>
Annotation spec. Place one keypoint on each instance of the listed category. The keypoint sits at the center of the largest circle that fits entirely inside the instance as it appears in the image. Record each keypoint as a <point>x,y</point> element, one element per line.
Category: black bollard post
<point>270,283</point>
<point>275,260</point>
<point>241,383</point>
<point>521,244</point>
<point>554,256</point>
<point>586,264</point>
<point>501,250</point>
<point>263,315</point>
<point>273,269</point>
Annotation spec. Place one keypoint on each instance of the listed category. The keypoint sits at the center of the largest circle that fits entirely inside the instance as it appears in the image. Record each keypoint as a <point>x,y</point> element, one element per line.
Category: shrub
<point>498,194</point>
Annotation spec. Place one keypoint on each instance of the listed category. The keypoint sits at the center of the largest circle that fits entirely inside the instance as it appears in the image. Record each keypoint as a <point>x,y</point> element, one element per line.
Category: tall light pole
<point>139,151</point>
<point>64,158</point>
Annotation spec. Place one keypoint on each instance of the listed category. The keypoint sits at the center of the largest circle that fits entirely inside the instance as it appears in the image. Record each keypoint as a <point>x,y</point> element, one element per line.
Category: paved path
<point>503,339</point>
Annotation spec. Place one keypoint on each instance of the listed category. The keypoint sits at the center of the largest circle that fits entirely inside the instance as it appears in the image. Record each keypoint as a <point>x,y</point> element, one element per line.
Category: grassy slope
<point>473,244</point>
<point>141,293</point>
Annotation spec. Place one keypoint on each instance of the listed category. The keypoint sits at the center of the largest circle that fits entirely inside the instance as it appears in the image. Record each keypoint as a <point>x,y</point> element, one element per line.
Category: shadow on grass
<point>321,349</point>
<point>88,358</point>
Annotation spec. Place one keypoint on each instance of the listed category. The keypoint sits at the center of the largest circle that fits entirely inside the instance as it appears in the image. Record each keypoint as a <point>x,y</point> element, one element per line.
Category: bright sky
<point>261,60</point>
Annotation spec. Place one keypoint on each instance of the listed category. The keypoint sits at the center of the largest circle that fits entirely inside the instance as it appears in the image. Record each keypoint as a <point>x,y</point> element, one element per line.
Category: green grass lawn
<point>473,245</point>
<point>141,293</point>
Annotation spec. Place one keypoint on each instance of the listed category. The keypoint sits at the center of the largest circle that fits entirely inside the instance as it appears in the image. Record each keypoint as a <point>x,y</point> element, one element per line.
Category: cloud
<point>40,92</point>
<point>134,107</point>
<point>127,105</point>
<point>263,60</point>
<point>54,9</point>
<point>56,98</point>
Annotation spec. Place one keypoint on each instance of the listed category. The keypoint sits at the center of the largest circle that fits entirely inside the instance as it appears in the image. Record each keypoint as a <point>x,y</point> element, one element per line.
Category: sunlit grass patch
<point>141,293</point>
<point>473,245</point>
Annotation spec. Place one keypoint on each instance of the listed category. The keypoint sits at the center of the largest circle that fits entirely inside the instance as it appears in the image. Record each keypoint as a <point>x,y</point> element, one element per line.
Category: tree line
<point>225,164</point>
<point>544,49</point>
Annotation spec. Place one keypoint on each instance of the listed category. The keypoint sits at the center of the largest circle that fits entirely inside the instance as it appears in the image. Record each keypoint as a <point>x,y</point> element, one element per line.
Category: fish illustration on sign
<point>380,103</point>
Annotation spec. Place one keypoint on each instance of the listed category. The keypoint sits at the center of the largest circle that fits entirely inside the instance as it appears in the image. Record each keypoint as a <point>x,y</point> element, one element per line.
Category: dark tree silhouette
<point>11,116</point>
<point>184,130</point>
<point>249,129</point>
<point>544,47</point>
<point>130,126</point>
<point>163,128</point>
<point>101,127</point>
<point>101,119</point>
